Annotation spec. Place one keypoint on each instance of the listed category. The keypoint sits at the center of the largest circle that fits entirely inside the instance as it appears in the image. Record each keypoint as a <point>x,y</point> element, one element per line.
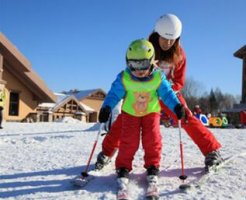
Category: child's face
<point>140,73</point>
<point>165,44</point>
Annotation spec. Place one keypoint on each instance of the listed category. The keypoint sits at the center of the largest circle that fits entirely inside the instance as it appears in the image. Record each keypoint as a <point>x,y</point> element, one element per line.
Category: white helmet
<point>169,26</point>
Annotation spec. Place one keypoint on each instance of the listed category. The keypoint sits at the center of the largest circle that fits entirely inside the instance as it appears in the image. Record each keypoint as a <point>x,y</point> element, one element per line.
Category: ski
<point>206,174</point>
<point>122,190</point>
<point>152,192</point>
<point>82,180</point>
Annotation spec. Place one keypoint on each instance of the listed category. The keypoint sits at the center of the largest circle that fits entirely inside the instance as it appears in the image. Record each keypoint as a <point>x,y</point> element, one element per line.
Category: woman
<point>171,59</point>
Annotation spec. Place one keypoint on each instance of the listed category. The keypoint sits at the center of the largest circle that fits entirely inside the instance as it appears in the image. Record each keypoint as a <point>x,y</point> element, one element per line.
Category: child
<point>140,85</point>
<point>171,59</point>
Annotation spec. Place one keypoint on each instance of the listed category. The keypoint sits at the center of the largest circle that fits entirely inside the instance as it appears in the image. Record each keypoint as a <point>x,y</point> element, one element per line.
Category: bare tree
<point>192,88</point>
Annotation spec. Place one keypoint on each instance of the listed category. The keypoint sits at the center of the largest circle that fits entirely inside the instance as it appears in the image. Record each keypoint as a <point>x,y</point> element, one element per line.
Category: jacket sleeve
<point>116,92</point>
<point>166,93</point>
<point>178,79</point>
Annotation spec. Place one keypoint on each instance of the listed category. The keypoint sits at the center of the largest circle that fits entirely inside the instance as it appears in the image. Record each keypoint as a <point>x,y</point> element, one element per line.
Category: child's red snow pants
<point>134,130</point>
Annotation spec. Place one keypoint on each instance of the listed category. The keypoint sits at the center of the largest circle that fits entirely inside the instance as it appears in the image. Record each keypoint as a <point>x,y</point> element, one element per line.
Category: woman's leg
<point>200,134</point>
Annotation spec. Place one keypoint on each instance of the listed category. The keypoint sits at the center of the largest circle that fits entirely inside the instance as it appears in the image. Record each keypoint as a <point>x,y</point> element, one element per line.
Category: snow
<point>38,160</point>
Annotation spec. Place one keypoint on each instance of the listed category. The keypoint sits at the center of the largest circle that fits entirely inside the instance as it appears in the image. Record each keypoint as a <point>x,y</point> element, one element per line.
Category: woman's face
<point>165,44</point>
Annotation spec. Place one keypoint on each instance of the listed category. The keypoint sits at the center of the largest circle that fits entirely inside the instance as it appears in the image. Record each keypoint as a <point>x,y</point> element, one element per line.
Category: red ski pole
<point>182,176</point>
<point>85,173</point>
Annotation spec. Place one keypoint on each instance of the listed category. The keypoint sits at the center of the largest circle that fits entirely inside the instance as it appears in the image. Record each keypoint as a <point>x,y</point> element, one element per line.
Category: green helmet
<point>140,55</point>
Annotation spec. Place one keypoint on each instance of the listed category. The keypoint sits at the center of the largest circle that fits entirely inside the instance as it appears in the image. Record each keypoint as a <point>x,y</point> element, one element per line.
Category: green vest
<point>141,96</point>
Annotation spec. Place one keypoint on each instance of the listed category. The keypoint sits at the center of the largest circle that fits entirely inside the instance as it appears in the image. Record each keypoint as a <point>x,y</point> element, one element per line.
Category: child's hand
<point>179,111</point>
<point>104,114</point>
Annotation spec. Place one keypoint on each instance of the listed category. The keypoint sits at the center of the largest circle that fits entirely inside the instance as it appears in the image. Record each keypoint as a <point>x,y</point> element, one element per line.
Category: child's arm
<point>116,93</point>
<point>167,94</point>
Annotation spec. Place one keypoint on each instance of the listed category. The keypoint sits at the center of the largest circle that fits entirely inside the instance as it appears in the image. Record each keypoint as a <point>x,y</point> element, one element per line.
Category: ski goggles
<point>139,65</point>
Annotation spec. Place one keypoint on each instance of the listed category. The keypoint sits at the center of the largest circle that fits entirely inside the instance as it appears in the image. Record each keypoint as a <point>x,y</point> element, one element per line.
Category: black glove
<point>179,111</point>
<point>104,114</point>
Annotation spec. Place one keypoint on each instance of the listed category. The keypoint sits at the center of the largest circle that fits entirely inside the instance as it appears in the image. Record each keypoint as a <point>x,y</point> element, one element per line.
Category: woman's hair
<point>172,55</point>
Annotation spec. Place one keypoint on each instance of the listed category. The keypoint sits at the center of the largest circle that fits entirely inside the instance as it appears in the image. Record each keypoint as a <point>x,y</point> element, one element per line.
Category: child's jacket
<point>141,95</point>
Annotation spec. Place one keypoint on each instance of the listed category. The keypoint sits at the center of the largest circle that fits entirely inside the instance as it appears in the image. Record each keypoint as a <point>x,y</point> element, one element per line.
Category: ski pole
<point>85,173</point>
<point>182,176</point>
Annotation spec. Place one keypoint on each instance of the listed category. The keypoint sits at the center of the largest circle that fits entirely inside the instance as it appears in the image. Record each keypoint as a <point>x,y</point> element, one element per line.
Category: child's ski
<point>152,192</point>
<point>122,190</point>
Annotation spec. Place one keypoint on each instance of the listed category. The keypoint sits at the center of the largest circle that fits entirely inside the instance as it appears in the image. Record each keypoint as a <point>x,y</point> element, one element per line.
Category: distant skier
<point>141,86</point>
<point>197,111</point>
<point>171,59</point>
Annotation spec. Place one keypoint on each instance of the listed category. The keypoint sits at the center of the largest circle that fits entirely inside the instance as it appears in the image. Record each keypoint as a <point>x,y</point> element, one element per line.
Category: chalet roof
<point>16,63</point>
<point>241,52</point>
<point>85,93</point>
<point>68,98</point>
<point>62,99</point>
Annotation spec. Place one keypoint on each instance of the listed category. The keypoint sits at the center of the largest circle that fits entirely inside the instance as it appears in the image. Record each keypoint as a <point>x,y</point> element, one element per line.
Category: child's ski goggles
<point>141,65</point>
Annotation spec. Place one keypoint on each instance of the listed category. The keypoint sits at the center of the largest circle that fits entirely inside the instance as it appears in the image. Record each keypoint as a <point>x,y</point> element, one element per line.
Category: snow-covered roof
<point>63,98</point>
<point>60,97</point>
<point>84,93</point>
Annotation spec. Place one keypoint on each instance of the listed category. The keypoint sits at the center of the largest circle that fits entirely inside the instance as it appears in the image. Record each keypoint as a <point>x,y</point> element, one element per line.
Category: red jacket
<point>177,76</point>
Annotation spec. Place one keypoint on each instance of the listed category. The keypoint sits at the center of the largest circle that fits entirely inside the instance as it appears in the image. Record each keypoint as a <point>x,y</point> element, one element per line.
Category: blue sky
<point>82,43</point>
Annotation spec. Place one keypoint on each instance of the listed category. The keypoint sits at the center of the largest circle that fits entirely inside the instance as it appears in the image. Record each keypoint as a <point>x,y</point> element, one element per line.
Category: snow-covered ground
<point>38,160</point>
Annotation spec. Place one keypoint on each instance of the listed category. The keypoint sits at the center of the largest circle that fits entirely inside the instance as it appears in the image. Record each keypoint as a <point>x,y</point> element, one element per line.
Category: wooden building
<point>25,90</point>
<point>66,106</point>
<point>92,98</point>
<point>238,112</point>
<point>241,53</point>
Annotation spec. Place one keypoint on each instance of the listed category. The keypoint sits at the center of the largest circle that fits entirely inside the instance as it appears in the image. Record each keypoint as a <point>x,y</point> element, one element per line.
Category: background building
<point>25,90</point>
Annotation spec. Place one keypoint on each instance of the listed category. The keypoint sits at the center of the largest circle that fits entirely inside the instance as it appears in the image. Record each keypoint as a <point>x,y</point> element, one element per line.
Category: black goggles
<point>139,65</point>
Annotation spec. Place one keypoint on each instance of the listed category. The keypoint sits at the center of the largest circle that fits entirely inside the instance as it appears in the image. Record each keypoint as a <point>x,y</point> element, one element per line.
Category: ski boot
<point>122,182</point>
<point>152,179</point>
<point>212,161</point>
<point>102,160</point>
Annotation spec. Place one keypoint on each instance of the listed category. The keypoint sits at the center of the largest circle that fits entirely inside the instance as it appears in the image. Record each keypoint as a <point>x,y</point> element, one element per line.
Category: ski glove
<point>179,111</point>
<point>104,114</point>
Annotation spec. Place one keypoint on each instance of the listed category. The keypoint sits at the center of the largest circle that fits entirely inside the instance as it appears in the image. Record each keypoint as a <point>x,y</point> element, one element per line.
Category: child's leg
<point>129,141</point>
<point>151,140</point>
<point>112,139</point>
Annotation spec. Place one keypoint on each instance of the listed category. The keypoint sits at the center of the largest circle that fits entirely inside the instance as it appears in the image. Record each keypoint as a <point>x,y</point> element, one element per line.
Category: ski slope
<point>38,160</point>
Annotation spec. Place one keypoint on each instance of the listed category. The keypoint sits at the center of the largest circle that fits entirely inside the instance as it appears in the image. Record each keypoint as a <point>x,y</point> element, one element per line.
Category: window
<point>14,104</point>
